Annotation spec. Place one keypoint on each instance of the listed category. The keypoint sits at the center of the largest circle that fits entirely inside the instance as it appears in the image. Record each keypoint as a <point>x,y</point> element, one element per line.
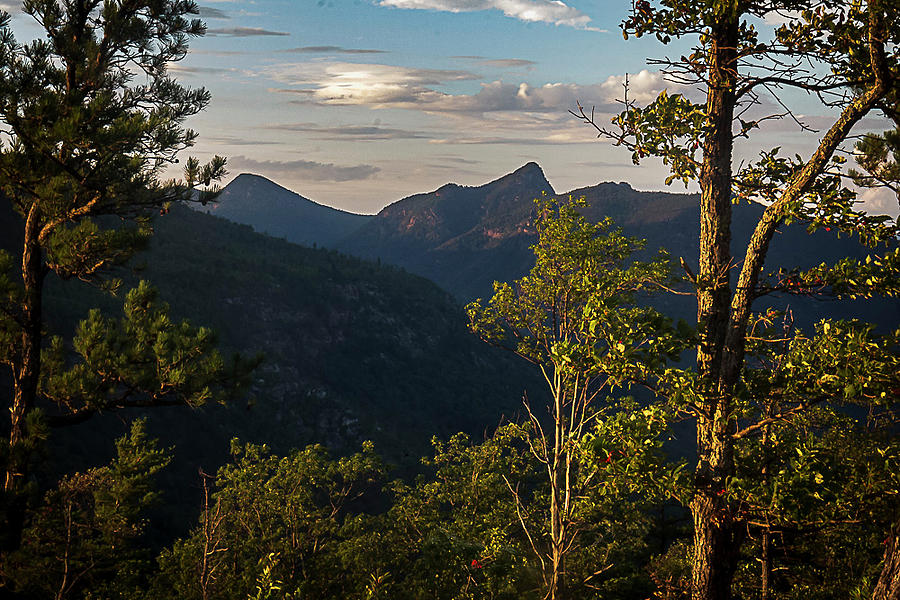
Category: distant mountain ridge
<point>457,235</point>
<point>277,211</point>
<point>465,237</point>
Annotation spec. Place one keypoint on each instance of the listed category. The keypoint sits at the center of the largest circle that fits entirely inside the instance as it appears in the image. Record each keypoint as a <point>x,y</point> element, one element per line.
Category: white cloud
<point>12,8</point>
<point>243,32</point>
<point>497,113</point>
<point>191,71</point>
<point>500,96</point>
<point>332,50</point>
<point>354,133</point>
<point>503,63</point>
<point>880,201</point>
<point>363,84</point>
<point>386,86</point>
<point>643,87</point>
<point>545,11</point>
<point>209,12</point>
<point>781,17</point>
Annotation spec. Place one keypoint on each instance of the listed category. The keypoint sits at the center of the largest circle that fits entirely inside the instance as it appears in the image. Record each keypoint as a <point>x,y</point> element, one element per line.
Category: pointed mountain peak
<point>530,175</point>
<point>529,168</point>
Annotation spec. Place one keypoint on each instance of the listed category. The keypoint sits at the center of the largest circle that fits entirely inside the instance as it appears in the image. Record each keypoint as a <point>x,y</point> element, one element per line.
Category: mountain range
<point>465,237</point>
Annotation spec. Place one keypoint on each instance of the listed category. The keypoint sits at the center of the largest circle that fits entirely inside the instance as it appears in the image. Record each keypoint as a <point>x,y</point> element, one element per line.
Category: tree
<point>90,120</point>
<point>573,316</point>
<point>280,517</point>
<point>847,55</point>
<point>85,535</point>
<point>454,531</point>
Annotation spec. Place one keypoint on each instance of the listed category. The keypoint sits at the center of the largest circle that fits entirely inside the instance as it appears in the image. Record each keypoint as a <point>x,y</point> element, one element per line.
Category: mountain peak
<point>279,212</point>
<point>251,180</point>
<point>529,175</point>
<point>529,168</point>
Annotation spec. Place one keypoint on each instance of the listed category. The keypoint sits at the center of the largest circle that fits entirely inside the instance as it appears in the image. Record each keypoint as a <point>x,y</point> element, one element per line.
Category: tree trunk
<point>26,374</point>
<point>888,586</point>
<point>765,586</point>
<point>716,542</point>
<point>717,539</point>
<point>558,480</point>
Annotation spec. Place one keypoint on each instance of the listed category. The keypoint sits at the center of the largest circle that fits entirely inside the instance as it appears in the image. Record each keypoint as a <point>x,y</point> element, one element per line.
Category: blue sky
<point>358,103</point>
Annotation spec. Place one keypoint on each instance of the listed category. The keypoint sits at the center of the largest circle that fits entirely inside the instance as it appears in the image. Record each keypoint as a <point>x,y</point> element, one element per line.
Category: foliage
<point>144,353</point>
<point>454,532</point>
<point>761,394</point>
<point>91,120</point>
<point>307,525</point>
<point>87,533</point>
<point>290,507</point>
<point>573,317</point>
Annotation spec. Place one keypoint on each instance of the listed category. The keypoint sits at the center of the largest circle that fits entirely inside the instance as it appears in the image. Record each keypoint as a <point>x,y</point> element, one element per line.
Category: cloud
<point>781,17</point>
<point>332,50</point>
<point>499,96</point>
<point>363,84</point>
<point>208,12</point>
<point>880,201</point>
<point>605,164</point>
<point>386,86</point>
<point>544,11</point>
<point>357,133</point>
<point>458,159</point>
<point>500,62</point>
<point>303,169</point>
<point>238,141</point>
<point>198,52</point>
<point>188,70</point>
<point>643,87</point>
<point>544,138</point>
<point>242,32</point>
<point>12,8</point>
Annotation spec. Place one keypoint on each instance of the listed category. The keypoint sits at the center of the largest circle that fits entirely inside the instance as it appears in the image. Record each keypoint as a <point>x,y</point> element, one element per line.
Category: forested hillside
<point>353,350</point>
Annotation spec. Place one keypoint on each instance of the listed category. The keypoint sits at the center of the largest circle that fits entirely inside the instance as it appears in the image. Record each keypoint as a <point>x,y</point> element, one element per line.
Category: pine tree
<point>91,119</point>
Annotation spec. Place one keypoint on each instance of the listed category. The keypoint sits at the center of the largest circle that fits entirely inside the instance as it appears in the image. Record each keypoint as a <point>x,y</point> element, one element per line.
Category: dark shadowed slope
<point>271,209</point>
<point>354,350</point>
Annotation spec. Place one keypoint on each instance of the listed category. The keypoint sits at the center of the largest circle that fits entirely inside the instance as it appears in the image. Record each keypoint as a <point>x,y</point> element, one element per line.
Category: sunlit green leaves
<point>574,310</point>
<point>266,507</point>
<point>671,128</point>
<point>626,449</point>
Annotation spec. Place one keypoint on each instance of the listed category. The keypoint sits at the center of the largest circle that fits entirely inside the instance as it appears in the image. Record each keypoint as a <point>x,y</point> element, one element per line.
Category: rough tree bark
<point>888,586</point>
<point>26,373</point>
<point>716,541</point>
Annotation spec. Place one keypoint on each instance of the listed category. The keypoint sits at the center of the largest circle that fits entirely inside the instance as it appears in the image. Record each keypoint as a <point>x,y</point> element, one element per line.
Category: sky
<point>358,103</point>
